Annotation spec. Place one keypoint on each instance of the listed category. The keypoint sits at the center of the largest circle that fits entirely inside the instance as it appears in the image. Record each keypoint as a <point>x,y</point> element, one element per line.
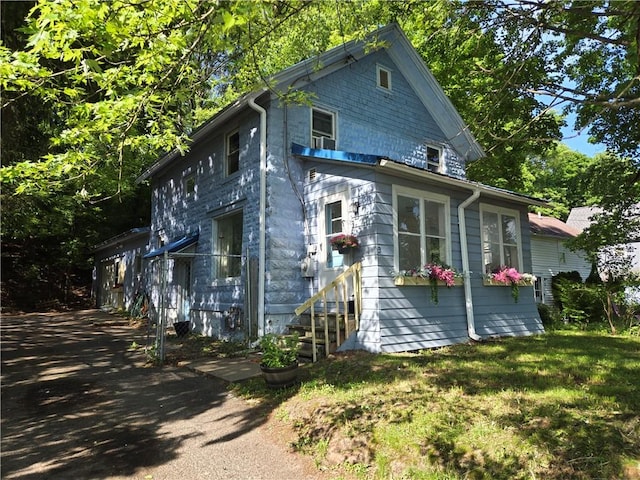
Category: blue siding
<point>371,121</point>
<point>174,214</point>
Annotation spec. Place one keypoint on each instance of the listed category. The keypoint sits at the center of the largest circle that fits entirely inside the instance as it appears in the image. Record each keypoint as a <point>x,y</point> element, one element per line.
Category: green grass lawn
<point>564,405</point>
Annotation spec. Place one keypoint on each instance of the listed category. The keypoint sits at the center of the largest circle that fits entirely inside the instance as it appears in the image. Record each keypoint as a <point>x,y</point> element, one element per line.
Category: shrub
<point>562,281</point>
<point>545,315</point>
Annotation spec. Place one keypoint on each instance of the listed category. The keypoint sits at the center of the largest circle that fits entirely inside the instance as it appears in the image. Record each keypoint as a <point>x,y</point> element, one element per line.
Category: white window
<point>334,222</point>
<point>232,157</point>
<point>384,77</point>
<point>500,238</point>
<point>421,227</point>
<point>323,129</point>
<point>434,158</point>
<point>227,245</point>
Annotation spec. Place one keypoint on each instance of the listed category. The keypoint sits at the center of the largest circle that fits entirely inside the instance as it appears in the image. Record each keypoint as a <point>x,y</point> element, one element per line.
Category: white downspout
<point>468,297</point>
<point>263,206</point>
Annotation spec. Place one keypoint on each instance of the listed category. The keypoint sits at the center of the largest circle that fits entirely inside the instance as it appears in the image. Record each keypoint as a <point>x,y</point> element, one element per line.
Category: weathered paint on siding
<point>368,117</point>
<point>392,124</point>
<point>174,213</point>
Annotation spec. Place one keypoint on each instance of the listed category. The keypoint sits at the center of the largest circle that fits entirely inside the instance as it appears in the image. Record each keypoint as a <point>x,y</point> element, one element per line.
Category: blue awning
<point>173,247</point>
<point>338,155</point>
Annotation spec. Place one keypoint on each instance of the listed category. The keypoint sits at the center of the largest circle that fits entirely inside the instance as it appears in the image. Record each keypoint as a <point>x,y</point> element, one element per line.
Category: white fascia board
<point>407,171</point>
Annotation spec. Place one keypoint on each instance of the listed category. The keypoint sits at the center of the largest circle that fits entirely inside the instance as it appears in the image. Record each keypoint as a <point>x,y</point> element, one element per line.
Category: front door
<point>183,274</point>
<point>333,219</point>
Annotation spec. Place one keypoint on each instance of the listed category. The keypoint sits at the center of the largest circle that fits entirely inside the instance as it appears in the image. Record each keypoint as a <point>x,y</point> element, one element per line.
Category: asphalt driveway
<point>78,403</point>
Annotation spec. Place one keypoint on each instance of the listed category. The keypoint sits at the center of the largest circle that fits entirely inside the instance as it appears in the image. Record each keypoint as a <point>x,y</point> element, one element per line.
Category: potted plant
<point>344,242</point>
<point>279,363</point>
<point>182,328</point>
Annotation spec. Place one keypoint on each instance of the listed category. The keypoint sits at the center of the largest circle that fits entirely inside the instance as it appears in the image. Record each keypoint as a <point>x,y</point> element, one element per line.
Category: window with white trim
<point>232,157</point>
<point>434,158</point>
<point>227,245</point>
<point>422,228</point>
<point>383,77</point>
<point>323,129</point>
<point>334,224</point>
<point>500,238</point>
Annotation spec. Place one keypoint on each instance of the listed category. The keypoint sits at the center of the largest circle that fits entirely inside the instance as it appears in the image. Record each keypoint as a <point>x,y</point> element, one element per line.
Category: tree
<point>589,51</point>
<point>612,184</point>
<point>559,176</point>
<point>112,85</point>
<point>136,78</point>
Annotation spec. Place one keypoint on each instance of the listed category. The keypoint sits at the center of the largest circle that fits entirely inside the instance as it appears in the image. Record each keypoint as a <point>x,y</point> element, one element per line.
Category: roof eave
<point>125,236</point>
<point>407,171</point>
<point>201,132</point>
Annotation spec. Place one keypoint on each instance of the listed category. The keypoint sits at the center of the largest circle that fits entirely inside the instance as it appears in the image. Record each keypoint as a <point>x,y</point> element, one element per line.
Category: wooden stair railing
<point>340,291</point>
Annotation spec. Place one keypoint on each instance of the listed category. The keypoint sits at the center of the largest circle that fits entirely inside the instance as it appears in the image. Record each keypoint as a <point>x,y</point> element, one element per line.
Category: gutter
<point>468,296</point>
<point>262,222</point>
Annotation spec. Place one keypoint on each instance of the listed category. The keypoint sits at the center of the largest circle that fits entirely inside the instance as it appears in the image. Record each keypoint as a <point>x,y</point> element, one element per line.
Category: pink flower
<point>507,275</point>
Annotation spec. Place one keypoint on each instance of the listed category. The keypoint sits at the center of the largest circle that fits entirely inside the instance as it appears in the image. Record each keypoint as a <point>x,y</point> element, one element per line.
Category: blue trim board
<point>173,247</point>
<point>338,155</point>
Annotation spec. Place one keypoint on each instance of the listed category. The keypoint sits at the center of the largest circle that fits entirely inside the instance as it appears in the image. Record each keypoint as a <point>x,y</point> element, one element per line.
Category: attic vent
<point>312,174</point>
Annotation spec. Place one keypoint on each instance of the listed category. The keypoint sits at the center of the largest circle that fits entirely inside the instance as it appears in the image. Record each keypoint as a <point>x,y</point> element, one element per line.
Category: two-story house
<point>242,224</point>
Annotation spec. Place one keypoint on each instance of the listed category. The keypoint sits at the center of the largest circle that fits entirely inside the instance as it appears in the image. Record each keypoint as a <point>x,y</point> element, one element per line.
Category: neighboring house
<point>581,218</point>
<point>241,224</point>
<point>118,269</point>
<point>550,256</point>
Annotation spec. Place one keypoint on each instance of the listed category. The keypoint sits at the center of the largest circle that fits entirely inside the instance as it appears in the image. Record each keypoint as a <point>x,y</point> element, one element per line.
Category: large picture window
<point>500,238</point>
<point>227,245</point>
<point>422,229</point>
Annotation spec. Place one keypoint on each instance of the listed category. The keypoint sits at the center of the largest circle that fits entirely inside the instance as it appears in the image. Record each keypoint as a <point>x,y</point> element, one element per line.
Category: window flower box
<point>431,274</point>
<point>509,277</point>
<point>422,281</point>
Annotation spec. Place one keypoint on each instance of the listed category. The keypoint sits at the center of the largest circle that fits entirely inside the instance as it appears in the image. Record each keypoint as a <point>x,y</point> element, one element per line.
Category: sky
<point>578,141</point>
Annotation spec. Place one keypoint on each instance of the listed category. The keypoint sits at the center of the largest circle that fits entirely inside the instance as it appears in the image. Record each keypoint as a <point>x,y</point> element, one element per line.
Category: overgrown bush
<point>545,315</point>
<point>578,302</point>
<point>560,282</point>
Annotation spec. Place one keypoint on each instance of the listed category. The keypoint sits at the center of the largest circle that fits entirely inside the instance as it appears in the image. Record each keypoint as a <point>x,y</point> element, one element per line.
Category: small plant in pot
<point>279,363</point>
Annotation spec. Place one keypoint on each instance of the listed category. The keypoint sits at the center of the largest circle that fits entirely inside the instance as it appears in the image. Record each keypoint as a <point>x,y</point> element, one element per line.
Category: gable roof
<point>407,60</point>
<point>580,217</point>
<point>550,227</point>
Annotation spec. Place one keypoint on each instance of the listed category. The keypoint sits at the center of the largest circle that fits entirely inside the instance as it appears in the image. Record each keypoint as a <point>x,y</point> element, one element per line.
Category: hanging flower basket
<point>510,277</point>
<point>432,274</point>
<point>344,243</point>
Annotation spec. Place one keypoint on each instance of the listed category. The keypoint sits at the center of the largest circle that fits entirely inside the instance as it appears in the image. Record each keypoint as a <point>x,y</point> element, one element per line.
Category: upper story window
<point>227,245</point>
<point>384,77</point>
<point>232,153</point>
<point>434,158</point>
<point>500,238</point>
<point>422,228</point>
<point>189,185</point>
<point>323,129</point>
